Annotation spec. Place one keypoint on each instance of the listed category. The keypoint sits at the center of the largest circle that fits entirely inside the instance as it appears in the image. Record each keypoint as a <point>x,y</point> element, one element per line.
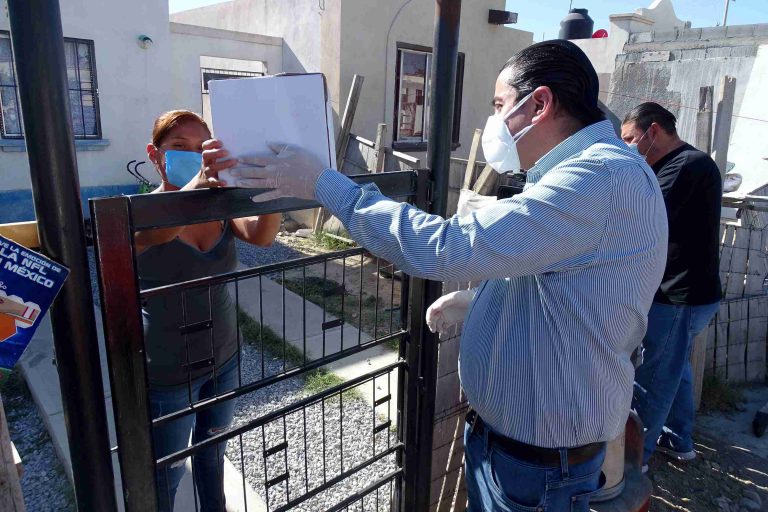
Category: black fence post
<point>38,47</point>
<point>445,62</point>
<point>126,354</point>
<point>410,385</point>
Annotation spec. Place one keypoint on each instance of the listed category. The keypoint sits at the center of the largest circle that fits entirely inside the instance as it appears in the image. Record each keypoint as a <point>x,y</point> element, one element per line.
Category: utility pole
<point>38,48</point>
<point>725,14</point>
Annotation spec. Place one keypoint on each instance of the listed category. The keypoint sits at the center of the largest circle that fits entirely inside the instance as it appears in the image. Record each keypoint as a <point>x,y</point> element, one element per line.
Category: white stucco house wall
<point>119,87</point>
<point>119,83</point>
<point>375,39</point>
<point>125,90</point>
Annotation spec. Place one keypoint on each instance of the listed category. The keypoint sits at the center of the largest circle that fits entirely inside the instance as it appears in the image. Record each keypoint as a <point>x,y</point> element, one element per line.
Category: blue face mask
<point>182,166</point>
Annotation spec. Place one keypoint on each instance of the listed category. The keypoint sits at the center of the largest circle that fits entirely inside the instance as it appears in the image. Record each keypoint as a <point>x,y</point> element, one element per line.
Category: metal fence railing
<point>323,397</point>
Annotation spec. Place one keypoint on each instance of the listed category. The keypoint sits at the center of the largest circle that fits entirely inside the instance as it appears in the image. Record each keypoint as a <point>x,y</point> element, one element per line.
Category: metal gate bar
<point>115,221</point>
<point>168,209</point>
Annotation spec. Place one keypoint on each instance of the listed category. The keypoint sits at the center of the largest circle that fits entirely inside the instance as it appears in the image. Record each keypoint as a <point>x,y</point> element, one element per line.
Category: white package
<point>249,112</point>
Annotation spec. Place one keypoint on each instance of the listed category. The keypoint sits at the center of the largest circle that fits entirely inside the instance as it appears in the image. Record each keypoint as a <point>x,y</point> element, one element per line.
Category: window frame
<point>98,135</point>
<point>227,74</point>
<point>414,146</point>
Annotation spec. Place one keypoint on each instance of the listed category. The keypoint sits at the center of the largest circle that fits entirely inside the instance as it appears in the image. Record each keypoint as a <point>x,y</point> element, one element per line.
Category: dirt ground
<point>730,473</point>
<point>722,473</point>
<point>349,271</point>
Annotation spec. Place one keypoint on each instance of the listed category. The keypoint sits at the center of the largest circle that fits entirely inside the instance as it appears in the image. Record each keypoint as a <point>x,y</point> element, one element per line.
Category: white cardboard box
<point>294,108</point>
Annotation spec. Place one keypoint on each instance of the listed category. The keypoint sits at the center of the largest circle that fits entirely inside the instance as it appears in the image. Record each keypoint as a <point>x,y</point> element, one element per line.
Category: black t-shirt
<point>690,183</point>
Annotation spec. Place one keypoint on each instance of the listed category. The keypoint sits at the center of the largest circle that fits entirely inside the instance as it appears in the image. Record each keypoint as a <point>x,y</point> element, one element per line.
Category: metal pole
<point>445,59</point>
<point>725,14</point>
<point>38,46</point>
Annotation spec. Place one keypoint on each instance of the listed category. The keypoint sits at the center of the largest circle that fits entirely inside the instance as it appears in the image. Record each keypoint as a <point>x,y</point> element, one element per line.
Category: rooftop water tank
<point>577,25</point>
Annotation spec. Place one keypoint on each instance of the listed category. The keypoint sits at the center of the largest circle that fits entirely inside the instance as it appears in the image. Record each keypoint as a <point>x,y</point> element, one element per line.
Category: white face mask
<point>500,146</point>
<point>633,145</point>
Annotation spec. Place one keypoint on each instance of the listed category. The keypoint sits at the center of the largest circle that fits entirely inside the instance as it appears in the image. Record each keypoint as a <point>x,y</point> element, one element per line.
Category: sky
<point>542,17</point>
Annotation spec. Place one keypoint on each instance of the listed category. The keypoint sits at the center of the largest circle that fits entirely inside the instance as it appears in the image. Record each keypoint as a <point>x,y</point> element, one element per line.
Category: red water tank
<point>600,33</point>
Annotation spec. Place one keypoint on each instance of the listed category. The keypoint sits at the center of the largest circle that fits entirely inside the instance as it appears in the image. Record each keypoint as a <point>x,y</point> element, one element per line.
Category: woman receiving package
<point>186,368</point>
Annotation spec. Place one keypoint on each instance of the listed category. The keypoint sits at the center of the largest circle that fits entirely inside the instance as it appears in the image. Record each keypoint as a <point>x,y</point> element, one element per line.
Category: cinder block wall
<point>447,489</point>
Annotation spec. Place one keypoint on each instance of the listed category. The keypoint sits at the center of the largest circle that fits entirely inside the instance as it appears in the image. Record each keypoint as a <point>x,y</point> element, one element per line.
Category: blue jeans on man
<point>207,464</point>
<point>663,395</point>
<point>499,481</point>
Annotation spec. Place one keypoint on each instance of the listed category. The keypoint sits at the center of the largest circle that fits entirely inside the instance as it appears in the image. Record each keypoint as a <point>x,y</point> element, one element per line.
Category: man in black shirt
<point>690,291</point>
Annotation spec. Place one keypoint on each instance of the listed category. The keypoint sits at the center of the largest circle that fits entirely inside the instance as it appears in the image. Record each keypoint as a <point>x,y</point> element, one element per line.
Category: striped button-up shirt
<point>570,267</point>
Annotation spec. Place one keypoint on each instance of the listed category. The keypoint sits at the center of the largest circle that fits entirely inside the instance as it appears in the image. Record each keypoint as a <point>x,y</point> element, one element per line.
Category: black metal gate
<point>347,444</point>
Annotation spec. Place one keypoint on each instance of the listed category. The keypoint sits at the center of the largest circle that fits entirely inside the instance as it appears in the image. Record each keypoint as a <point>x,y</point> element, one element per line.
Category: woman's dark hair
<point>170,120</point>
<point>565,69</point>
<point>645,114</point>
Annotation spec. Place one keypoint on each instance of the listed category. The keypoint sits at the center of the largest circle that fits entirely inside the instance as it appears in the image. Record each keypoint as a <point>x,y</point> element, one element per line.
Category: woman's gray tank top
<point>174,357</point>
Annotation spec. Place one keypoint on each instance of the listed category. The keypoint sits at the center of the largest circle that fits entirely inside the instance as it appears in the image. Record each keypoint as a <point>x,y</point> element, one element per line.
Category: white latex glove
<point>470,201</point>
<point>449,310</point>
<point>290,170</point>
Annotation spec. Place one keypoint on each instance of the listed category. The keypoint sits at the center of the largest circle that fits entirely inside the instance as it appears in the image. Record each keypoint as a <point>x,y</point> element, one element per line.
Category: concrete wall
<point>190,42</point>
<point>669,67</point>
<point>662,12</point>
<point>369,49</point>
<point>342,38</point>
<point>296,21</point>
<point>133,86</point>
<point>602,51</point>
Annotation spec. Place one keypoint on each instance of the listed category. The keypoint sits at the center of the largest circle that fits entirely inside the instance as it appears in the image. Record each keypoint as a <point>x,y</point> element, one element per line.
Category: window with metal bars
<point>81,82</point>
<point>209,74</point>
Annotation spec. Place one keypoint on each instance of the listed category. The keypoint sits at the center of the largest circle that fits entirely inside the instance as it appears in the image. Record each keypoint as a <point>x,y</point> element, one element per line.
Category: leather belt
<point>533,454</point>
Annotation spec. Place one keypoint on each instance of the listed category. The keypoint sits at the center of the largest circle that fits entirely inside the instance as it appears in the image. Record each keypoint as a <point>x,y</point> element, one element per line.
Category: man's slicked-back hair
<point>645,114</point>
<point>565,69</point>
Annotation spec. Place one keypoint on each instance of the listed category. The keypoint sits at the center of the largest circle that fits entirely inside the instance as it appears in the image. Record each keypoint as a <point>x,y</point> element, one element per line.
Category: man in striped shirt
<point>570,267</point>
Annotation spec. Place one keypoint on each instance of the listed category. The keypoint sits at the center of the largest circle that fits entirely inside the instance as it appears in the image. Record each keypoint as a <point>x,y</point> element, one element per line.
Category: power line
<point>680,105</point>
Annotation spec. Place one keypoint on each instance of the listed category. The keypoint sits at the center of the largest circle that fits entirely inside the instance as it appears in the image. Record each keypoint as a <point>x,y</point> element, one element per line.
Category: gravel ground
<point>251,255</point>
<point>44,483</point>
<point>314,440</point>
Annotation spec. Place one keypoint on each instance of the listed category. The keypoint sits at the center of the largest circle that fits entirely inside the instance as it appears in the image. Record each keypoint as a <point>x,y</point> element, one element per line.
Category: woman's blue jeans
<point>207,464</point>
<point>664,382</point>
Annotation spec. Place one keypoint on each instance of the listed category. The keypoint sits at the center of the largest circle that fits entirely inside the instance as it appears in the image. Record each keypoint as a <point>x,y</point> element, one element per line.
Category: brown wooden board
<point>698,357</point>
<point>725,255</point>
<point>756,264</point>
<point>737,340</point>
<point>709,360</point>
<point>765,238</point>
<point>11,497</point>
<point>469,173</point>
<point>738,264</point>
<point>721,340</point>
<point>757,338</point>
